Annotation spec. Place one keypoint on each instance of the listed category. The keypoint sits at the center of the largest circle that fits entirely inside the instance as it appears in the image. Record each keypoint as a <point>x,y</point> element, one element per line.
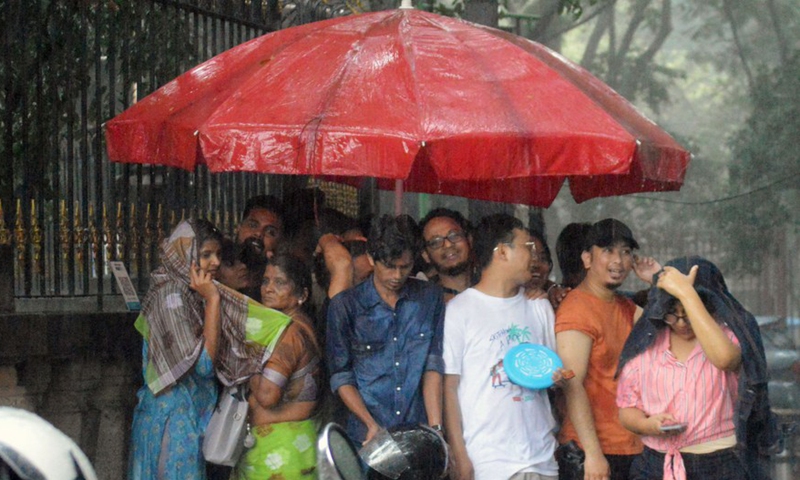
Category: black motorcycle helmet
<point>406,452</point>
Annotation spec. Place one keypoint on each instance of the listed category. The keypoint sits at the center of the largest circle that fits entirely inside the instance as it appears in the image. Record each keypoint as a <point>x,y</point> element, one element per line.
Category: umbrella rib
<point>312,127</point>
<point>641,128</point>
<point>411,54</point>
<point>509,108</point>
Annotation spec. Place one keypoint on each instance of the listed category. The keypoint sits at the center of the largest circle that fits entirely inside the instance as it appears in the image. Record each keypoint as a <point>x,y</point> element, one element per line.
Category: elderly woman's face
<point>277,290</point>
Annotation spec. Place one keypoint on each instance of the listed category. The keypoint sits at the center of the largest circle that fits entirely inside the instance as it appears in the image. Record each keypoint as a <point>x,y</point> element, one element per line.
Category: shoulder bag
<point>228,430</point>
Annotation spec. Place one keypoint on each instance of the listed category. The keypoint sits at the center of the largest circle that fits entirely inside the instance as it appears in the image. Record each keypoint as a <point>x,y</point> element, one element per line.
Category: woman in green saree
<point>285,394</point>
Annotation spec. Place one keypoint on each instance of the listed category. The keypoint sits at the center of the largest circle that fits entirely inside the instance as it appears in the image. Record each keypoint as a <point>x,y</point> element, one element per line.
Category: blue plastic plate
<point>531,366</point>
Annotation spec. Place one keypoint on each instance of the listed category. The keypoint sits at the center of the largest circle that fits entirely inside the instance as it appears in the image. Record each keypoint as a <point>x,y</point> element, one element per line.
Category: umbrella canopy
<point>445,105</point>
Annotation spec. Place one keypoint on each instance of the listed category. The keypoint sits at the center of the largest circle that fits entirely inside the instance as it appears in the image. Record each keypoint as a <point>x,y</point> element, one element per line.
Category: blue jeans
<point>720,464</point>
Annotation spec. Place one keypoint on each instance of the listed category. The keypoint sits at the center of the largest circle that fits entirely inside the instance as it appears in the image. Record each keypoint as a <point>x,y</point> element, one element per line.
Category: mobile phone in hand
<point>675,427</point>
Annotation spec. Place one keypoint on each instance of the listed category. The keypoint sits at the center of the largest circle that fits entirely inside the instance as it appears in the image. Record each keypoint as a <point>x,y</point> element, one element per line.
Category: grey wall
<point>78,371</point>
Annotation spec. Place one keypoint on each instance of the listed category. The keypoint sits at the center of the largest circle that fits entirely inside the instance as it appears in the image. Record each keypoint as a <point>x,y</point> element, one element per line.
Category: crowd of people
<point>385,322</point>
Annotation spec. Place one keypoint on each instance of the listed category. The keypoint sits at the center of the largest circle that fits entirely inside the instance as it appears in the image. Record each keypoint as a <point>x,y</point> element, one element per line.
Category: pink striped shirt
<point>695,393</point>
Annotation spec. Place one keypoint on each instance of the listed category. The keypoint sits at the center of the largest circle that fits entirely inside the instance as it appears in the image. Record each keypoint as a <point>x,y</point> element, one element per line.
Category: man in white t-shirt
<point>496,429</point>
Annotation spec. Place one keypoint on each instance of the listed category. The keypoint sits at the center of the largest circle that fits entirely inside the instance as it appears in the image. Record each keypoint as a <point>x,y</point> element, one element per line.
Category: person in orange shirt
<point>592,325</point>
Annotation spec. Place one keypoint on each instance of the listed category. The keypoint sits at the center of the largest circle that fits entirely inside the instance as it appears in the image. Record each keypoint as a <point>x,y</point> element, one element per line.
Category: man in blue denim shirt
<point>384,339</point>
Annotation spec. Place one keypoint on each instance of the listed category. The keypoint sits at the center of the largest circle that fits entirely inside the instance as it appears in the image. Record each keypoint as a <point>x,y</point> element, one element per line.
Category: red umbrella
<point>444,105</point>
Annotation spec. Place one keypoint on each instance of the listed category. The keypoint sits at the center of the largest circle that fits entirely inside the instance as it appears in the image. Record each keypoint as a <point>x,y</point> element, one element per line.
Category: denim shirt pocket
<point>368,348</point>
<point>422,335</point>
<point>419,344</point>
<point>369,360</point>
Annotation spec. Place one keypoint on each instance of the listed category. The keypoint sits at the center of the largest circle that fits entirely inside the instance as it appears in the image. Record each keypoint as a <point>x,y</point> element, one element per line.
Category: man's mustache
<point>253,251</point>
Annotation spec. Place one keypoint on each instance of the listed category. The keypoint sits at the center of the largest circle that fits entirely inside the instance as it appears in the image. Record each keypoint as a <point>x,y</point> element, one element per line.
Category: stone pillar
<point>79,372</point>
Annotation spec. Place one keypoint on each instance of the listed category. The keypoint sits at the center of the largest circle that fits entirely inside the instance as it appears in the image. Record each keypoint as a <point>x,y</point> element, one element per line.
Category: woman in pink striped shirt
<point>680,393</point>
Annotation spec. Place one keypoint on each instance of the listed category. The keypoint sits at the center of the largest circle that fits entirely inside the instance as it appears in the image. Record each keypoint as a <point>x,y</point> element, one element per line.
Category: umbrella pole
<point>398,197</point>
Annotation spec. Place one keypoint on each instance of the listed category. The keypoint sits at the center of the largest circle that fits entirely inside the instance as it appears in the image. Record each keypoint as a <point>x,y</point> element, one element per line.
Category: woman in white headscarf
<point>194,329</point>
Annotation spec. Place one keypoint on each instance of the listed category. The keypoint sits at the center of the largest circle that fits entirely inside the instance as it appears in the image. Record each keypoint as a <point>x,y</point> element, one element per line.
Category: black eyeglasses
<point>436,243</point>
<point>672,318</point>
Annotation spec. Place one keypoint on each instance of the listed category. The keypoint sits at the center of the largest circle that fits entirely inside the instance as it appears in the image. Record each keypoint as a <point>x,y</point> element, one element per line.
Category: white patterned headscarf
<point>173,316</point>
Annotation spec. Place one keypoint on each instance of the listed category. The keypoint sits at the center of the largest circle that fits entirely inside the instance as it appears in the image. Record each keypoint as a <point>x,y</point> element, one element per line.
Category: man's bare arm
<point>338,262</point>
<point>574,348</point>
<point>462,465</point>
<point>352,399</point>
<point>432,396</point>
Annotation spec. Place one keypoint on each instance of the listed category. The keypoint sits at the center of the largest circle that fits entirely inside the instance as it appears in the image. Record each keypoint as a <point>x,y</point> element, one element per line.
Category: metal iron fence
<point>65,211</point>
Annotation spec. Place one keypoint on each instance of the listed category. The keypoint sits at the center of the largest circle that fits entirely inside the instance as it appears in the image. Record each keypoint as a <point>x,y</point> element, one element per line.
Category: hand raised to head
<point>646,267</point>
<point>674,282</point>
<point>202,282</point>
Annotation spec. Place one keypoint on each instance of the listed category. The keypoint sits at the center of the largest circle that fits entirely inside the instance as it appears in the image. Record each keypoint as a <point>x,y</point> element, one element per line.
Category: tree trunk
<point>629,84</point>
<point>483,12</point>
<point>728,11</point>
<point>546,18</point>
<point>600,28</point>
<point>783,44</point>
<point>616,65</point>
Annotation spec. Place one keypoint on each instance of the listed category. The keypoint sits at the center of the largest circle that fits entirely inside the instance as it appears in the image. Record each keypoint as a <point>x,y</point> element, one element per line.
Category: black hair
<point>545,249</point>
<point>569,247</point>
<point>296,271</point>
<point>490,232</point>
<point>364,223</point>
<point>302,206</point>
<point>232,252</point>
<point>671,302</point>
<point>390,236</point>
<point>445,212</point>
<point>334,221</point>
<point>205,231</point>
<point>305,236</point>
<point>266,202</point>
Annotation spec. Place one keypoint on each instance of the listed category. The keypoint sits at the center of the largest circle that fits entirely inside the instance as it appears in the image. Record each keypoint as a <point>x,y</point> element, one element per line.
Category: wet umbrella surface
<point>444,105</point>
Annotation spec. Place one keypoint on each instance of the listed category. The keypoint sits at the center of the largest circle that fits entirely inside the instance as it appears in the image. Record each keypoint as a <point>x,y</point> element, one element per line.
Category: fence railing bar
<point>41,262</point>
<point>123,172</point>
<point>25,210</point>
<point>7,171</point>
<point>118,251</point>
<point>213,15</point>
<point>83,212</point>
<point>60,220</point>
<point>85,199</point>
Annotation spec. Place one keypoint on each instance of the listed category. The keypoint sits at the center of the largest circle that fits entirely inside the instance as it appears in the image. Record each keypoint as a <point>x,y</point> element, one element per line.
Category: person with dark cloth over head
<point>693,381</point>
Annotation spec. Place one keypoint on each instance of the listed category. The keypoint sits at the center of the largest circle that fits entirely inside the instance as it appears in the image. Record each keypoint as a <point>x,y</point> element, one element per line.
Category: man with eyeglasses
<point>257,237</point>
<point>447,248</point>
<point>592,324</point>
<point>384,338</point>
<point>497,430</point>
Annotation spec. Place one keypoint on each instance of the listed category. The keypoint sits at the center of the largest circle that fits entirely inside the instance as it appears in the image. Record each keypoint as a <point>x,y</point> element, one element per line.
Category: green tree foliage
<point>765,166</point>
<point>54,85</point>
<point>742,37</point>
<point>620,40</point>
